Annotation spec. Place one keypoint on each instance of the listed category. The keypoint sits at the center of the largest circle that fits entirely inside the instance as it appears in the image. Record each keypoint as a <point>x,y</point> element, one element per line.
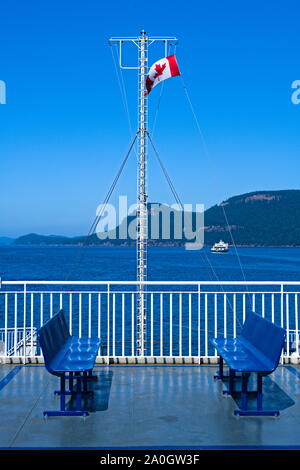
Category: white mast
<point>142,42</point>
<point>142,213</point>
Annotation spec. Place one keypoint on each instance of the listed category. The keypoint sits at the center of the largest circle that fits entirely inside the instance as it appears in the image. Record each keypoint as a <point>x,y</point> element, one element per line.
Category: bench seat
<point>256,350</point>
<point>91,345</point>
<point>71,358</point>
<point>242,357</point>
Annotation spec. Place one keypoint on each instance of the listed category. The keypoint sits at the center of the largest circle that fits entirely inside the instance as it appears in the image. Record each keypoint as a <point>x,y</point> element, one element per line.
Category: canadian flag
<point>161,70</point>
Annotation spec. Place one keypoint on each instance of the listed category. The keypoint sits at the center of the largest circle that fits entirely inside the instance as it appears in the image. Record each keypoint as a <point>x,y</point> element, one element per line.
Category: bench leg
<point>62,392</point>
<point>71,390</point>
<point>91,376</point>
<point>78,393</point>
<point>71,382</point>
<point>259,408</point>
<point>231,376</point>
<point>71,386</point>
<point>259,392</point>
<point>245,378</point>
<point>220,373</point>
<point>86,377</point>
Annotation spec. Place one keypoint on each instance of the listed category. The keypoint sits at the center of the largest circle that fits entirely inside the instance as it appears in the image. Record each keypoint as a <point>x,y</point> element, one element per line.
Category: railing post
<point>99,315</point>
<point>114,324</point>
<point>151,325</point>
<point>199,325</point>
<point>123,324</point>
<point>171,324</point>
<point>161,324</point>
<point>31,324</point>
<point>90,316</point>
<point>80,315</point>
<point>281,314</point>
<point>108,322</point>
<point>180,324</point>
<point>71,312</point>
<point>215,319</point>
<point>190,325</point>
<point>99,321</point>
<point>296,325</point>
<point>244,307</point>
<point>16,325</point>
<point>206,323</point>
<point>234,315</point>
<point>5,324</point>
<point>225,315</point>
<point>281,305</point>
<point>24,323</point>
<point>287,320</point>
<point>132,325</point>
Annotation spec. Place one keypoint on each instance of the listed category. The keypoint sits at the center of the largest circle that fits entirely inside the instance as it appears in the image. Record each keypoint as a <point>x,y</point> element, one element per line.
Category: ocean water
<point>164,263</point>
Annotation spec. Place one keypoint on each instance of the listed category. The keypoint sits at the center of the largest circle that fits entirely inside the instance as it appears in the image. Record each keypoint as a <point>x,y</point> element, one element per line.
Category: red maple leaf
<point>159,70</point>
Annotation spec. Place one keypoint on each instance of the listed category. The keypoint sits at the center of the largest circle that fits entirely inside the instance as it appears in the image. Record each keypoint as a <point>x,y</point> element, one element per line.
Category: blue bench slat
<point>257,349</point>
<point>265,336</point>
<point>85,343</point>
<point>55,340</point>
<point>69,357</point>
<point>240,358</point>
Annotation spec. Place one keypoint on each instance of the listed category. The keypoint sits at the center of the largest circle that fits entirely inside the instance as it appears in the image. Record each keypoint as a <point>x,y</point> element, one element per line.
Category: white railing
<point>14,340</point>
<point>181,315</point>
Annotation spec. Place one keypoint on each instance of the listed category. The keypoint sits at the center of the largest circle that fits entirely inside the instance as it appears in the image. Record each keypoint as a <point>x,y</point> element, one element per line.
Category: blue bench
<point>69,357</point>
<point>256,350</point>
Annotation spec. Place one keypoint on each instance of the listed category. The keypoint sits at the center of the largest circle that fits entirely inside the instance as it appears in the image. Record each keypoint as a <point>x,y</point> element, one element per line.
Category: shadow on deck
<point>146,406</point>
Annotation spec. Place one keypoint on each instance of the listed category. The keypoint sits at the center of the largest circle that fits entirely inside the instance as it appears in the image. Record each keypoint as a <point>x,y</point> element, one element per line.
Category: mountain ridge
<point>258,218</point>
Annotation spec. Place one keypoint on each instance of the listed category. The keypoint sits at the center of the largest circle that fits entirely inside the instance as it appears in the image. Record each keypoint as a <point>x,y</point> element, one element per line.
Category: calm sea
<point>164,263</point>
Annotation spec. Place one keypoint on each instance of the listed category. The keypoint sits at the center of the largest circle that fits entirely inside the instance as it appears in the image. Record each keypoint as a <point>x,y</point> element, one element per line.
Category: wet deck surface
<point>146,406</point>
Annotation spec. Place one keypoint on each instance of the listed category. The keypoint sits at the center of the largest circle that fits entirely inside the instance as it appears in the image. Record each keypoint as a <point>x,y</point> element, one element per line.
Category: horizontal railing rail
<point>181,315</point>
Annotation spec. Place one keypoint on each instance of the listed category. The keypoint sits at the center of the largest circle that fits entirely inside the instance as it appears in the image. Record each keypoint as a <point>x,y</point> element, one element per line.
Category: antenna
<point>142,42</point>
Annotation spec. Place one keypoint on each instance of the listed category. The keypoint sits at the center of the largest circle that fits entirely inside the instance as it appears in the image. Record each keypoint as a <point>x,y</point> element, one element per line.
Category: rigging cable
<point>103,207</point>
<point>123,93</point>
<point>120,80</point>
<point>203,253</point>
<point>157,109</point>
<point>209,157</point>
<point>177,199</point>
<point>174,192</point>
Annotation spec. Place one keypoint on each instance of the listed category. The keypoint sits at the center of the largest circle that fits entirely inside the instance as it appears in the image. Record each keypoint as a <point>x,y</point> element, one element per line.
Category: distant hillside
<point>6,240</point>
<point>36,239</point>
<point>114,237</point>
<point>261,218</point>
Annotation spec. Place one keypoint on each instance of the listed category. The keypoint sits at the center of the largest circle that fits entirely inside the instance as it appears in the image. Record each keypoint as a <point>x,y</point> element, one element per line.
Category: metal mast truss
<point>142,43</point>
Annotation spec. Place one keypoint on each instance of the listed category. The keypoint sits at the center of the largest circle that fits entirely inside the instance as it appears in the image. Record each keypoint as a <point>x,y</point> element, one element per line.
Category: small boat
<point>220,247</point>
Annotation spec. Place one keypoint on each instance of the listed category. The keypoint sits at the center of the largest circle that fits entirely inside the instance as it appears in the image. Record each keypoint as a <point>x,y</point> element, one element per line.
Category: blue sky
<point>64,130</point>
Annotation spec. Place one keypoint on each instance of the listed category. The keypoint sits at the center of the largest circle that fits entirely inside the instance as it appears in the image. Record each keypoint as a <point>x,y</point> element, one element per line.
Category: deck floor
<point>146,406</point>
